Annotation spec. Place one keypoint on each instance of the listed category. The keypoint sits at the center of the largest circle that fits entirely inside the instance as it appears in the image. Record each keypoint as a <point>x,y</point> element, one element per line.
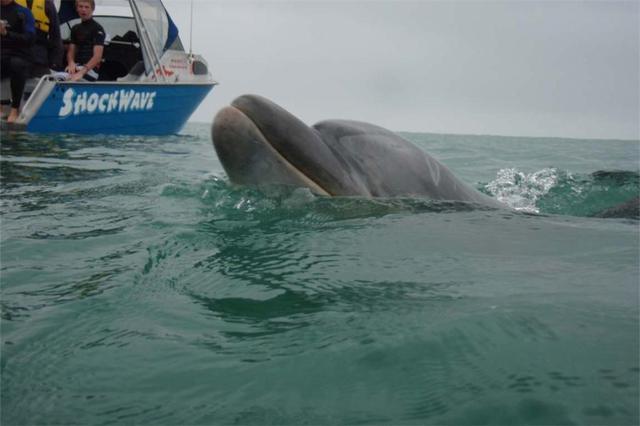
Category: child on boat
<point>87,44</point>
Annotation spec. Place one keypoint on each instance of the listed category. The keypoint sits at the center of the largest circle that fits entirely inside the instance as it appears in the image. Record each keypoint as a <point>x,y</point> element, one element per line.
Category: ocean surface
<point>139,287</point>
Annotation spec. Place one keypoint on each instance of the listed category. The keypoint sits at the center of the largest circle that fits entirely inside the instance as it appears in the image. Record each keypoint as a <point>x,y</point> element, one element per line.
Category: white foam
<point>520,190</point>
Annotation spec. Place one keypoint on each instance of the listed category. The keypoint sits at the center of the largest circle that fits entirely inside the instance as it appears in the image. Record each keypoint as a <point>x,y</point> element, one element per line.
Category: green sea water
<point>139,287</point>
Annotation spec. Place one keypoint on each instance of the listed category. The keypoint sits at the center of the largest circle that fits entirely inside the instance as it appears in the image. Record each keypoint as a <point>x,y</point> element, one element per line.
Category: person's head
<point>85,8</point>
<point>6,2</point>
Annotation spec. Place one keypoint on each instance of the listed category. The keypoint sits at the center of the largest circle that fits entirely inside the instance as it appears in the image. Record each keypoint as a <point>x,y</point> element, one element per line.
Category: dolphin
<point>260,143</point>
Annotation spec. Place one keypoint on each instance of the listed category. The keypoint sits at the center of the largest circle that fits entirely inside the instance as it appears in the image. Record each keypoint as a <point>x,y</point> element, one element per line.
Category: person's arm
<point>71,59</point>
<point>24,36</point>
<point>95,60</point>
<point>71,52</point>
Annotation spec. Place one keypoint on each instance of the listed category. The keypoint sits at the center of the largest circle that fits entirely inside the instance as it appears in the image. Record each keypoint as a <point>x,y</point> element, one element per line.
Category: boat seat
<point>121,54</point>
<point>135,73</point>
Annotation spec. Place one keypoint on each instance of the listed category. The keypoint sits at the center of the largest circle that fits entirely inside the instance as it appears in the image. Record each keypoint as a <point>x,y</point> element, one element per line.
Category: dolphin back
<point>389,165</point>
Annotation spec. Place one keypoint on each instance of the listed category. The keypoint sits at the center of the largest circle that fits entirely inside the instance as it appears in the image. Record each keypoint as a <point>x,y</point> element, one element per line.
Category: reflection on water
<point>138,286</point>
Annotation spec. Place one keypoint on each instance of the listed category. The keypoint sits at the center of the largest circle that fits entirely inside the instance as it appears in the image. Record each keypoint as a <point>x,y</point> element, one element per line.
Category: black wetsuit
<point>15,53</point>
<point>84,36</point>
<point>47,51</point>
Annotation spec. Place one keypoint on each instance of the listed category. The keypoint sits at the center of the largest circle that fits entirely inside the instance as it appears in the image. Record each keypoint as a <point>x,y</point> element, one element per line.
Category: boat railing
<point>37,97</point>
<point>122,43</point>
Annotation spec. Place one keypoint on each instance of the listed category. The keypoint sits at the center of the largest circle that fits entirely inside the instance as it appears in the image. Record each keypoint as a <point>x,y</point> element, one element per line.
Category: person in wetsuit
<point>17,33</point>
<point>47,51</point>
<point>87,44</point>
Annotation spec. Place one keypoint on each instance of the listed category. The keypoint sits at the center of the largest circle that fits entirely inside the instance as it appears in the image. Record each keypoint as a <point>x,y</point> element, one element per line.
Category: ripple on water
<point>138,286</point>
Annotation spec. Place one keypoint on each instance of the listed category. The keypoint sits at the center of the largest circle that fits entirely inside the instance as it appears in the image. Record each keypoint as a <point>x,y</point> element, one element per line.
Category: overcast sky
<point>526,68</point>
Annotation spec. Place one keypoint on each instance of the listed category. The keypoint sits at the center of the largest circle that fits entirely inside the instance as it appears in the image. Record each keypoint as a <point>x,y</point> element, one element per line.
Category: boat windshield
<point>156,21</point>
<point>114,26</point>
<point>163,34</point>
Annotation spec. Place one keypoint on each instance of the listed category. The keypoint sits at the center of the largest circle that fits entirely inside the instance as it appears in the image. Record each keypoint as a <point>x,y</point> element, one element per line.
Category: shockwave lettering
<point>83,102</point>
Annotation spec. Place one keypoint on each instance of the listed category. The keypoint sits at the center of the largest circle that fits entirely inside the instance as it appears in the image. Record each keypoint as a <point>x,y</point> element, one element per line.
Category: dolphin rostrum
<point>260,143</point>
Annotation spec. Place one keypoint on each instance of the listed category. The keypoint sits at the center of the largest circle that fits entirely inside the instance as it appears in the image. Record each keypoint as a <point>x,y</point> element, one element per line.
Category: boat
<point>148,84</point>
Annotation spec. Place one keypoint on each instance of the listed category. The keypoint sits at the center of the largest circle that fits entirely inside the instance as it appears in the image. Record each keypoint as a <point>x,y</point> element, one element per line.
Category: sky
<point>517,68</point>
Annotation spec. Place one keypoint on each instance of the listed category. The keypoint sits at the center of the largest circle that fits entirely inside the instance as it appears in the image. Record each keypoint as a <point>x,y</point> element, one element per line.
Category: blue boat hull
<point>118,108</point>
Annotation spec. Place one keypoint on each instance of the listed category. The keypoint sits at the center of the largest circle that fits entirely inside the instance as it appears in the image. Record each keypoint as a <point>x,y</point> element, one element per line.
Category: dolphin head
<point>260,143</point>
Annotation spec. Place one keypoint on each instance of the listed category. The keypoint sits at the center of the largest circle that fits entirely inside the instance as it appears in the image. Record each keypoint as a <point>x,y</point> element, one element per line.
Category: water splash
<point>520,190</point>
<point>555,191</point>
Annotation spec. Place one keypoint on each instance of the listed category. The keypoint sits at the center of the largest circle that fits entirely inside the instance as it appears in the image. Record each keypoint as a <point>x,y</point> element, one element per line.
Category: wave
<point>554,191</point>
<point>547,191</point>
<point>275,203</point>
